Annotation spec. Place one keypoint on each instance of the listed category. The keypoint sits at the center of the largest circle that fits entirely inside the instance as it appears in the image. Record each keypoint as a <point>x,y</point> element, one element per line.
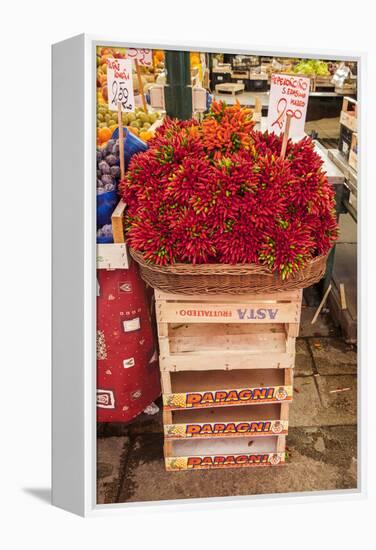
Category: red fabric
<point>127,359</point>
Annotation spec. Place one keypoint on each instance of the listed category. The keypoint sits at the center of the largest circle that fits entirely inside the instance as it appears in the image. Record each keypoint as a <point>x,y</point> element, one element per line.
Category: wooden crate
<point>114,255</point>
<point>348,115</point>
<point>239,74</point>
<point>199,389</point>
<point>220,356</point>
<point>227,331</point>
<point>198,454</point>
<point>218,422</point>
<point>321,81</point>
<point>353,155</point>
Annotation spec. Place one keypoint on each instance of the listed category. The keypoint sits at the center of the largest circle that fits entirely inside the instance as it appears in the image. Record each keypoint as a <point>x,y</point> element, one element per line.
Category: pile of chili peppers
<point>219,192</point>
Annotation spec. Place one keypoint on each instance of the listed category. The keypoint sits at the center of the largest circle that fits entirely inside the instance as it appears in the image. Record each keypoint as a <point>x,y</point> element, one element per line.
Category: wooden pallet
<point>229,88</point>
<point>220,356</point>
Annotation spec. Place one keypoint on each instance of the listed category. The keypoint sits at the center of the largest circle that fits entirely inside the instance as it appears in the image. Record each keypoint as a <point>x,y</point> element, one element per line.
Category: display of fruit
<point>311,66</point>
<point>105,231</point>
<point>108,167</point>
<point>158,56</point>
<point>102,55</point>
<point>137,122</point>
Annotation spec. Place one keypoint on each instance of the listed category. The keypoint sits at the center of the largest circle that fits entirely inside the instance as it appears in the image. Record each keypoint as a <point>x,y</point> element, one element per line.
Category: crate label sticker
<point>266,394</point>
<point>224,461</point>
<point>242,314</point>
<point>132,324</point>
<point>105,399</point>
<point>289,95</point>
<point>222,429</point>
<point>120,84</point>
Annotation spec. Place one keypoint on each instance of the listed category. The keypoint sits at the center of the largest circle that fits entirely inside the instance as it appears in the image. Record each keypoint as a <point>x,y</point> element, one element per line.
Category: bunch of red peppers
<point>219,192</point>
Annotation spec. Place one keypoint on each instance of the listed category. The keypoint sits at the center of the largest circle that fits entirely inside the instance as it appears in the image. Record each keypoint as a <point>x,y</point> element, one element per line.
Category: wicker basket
<point>225,278</point>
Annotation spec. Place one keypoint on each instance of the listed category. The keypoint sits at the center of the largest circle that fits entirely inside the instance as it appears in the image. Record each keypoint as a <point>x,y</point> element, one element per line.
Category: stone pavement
<point>321,444</point>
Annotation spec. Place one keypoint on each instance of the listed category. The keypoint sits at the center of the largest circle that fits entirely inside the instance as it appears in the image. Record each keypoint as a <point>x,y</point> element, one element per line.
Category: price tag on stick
<point>141,86</point>
<point>121,142</point>
<point>120,85</point>
<point>289,95</point>
<point>143,56</point>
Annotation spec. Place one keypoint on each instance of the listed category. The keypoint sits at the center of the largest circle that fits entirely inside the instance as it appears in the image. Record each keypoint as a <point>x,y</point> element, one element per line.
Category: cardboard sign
<point>120,84</point>
<point>226,429</point>
<point>223,461</point>
<point>143,56</point>
<point>289,95</point>
<point>242,396</point>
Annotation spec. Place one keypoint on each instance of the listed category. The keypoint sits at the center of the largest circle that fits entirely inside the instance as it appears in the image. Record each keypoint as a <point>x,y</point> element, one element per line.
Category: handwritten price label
<point>143,56</point>
<point>120,84</point>
<point>289,95</point>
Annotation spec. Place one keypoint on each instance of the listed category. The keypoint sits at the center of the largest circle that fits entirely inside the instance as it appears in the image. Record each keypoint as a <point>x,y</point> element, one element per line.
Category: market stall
<point>216,210</point>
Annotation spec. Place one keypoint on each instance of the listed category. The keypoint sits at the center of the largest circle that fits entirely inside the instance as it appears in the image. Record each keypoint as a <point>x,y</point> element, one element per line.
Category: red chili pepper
<point>219,192</point>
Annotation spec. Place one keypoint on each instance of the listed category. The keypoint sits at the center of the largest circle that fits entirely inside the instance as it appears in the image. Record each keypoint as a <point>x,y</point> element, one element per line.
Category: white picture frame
<point>74,287</point>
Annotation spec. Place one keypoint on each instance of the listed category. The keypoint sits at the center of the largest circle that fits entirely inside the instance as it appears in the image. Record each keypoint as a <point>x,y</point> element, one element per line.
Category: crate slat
<point>196,312</point>
<point>228,360</point>
<point>199,389</point>
<point>196,454</point>
<point>284,296</point>
<point>226,422</point>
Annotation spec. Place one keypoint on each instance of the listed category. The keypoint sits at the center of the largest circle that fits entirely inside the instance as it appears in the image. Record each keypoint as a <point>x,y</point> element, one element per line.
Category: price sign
<point>289,95</point>
<point>143,56</point>
<point>120,84</point>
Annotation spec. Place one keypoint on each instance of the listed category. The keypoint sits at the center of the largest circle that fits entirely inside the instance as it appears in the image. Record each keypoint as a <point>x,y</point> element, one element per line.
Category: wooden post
<point>322,303</point>
<point>141,86</point>
<point>258,105</point>
<point>342,296</point>
<point>285,136</point>
<point>121,141</point>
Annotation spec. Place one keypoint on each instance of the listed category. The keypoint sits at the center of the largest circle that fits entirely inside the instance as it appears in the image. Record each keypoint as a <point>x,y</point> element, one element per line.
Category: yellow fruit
<point>134,130</point>
<point>145,135</point>
<point>104,134</point>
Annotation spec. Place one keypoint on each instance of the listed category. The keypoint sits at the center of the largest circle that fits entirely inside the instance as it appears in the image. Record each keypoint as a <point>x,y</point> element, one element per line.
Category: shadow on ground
<point>40,493</point>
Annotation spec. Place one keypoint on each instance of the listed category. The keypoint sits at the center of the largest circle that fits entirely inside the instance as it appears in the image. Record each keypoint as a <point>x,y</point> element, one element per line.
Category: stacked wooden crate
<point>227,377</point>
<point>348,130</point>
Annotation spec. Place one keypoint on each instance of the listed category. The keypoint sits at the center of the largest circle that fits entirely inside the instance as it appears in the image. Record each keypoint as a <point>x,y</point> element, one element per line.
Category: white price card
<point>144,56</point>
<point>289,95</point>
<point>120,84</point>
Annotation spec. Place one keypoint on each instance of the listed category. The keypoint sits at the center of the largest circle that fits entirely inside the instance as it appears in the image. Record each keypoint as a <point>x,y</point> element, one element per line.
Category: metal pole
<point>178,90</point>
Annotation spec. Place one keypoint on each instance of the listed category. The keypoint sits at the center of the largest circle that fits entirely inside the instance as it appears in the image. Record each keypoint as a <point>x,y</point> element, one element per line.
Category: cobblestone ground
<point>322,439</point>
